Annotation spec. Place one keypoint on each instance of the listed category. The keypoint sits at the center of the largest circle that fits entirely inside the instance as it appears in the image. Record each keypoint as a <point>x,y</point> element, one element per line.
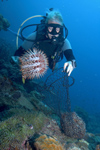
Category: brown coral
<point>45,142</point>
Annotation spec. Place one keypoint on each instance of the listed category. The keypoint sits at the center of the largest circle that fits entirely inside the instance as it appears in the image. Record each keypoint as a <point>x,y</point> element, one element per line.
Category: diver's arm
<point>22,49</point>
<point>68,53</point>
<point>19,52</point>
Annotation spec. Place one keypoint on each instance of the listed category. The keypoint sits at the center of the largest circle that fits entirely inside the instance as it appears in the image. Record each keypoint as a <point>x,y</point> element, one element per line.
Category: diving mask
<point>54,29</point>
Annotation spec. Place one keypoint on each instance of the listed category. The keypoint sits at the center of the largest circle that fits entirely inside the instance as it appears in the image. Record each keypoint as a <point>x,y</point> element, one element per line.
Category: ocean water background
<point>82,18</point>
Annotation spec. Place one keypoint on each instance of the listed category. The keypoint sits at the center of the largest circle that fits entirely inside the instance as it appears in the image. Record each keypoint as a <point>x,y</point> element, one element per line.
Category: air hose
<point>22,25</point>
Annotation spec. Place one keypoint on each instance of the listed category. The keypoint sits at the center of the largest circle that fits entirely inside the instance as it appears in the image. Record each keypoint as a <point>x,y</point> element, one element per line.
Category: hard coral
<point>45,142</point>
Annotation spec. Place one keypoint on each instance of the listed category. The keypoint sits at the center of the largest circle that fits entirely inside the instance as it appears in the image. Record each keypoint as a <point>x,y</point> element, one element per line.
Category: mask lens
<point>50,29</point>
<point>57,30</point>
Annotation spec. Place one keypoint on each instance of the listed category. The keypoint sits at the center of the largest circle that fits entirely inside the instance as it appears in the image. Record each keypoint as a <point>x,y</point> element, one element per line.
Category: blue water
<point>82,19</point>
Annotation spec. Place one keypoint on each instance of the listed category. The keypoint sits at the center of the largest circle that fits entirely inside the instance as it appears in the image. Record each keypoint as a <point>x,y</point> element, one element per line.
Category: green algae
<point>18,128</point>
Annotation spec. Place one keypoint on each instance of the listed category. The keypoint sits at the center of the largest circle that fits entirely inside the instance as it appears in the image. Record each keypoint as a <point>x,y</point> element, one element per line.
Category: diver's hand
<point>14,60</point>
<point>69,66</point>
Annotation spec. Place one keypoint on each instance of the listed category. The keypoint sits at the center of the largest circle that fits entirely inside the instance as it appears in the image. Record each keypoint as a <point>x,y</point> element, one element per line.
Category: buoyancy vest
<point>53,51</point>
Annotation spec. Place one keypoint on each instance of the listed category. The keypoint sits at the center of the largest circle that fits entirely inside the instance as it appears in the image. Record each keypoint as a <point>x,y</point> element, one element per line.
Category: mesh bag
<point>56,90</point>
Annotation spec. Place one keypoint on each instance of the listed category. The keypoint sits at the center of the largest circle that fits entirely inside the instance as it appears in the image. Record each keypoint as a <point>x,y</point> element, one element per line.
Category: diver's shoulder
<point>66,41</point>
<point>32,36</point>
<point>66,45</point>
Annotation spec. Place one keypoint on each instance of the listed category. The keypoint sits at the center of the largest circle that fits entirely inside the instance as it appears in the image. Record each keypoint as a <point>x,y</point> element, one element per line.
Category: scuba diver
<point>50,37</point>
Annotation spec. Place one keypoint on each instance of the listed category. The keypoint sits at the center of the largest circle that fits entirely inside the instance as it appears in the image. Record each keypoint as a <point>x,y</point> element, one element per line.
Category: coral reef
<point>83,144</point>
<point>15,96</point>
<point>72,146</point>
<point>23,114</point>
<point>93,140</point>
<point>72,125</point>
<point>9,95</point>
<point>51,128</point>
<point>36,100</point>
<point>4,24</point>
<point>16,129</point>
<point>45,142</point>
<point>6,51</point>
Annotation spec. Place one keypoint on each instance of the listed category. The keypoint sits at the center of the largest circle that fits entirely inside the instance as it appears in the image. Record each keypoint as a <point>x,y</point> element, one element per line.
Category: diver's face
<point>53,31</point>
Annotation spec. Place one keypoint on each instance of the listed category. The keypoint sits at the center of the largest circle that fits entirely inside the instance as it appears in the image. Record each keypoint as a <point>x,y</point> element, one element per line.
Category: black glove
<point>20,51</point>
